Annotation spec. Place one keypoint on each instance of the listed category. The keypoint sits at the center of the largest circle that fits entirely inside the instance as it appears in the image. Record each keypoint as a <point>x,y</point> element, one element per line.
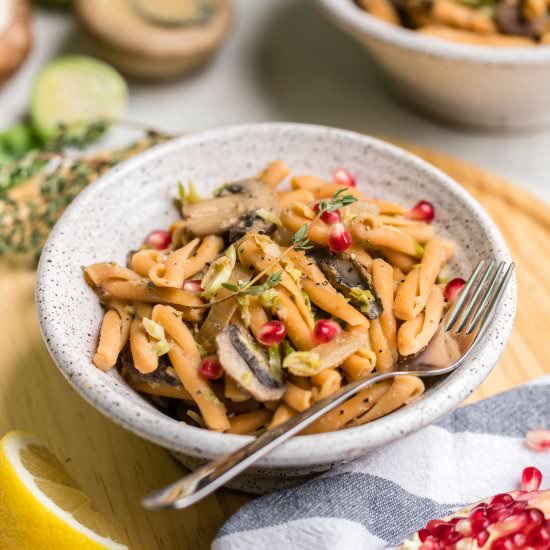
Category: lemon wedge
<point>41,506</point>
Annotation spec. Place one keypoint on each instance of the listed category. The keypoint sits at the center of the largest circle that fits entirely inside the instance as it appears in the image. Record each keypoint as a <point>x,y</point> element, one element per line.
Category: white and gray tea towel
<point>377,501</point>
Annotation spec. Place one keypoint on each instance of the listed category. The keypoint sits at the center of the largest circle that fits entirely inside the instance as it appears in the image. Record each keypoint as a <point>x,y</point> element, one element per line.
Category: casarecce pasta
<point>263,300</point>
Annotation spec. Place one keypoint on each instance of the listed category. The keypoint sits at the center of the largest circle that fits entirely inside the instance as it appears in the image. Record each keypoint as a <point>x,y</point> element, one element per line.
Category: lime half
<point>74,91</point>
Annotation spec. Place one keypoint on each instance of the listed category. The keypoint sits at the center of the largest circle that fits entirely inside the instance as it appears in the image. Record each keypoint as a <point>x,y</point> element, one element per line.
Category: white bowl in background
<point>114,214</point>
<point>480,86</point>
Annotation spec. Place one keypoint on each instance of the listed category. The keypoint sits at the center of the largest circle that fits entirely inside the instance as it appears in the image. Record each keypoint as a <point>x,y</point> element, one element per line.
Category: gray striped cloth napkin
<point>377,501</point>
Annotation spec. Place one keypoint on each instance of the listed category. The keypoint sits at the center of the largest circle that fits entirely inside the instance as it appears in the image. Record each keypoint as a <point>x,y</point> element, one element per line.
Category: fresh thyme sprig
<point>300,241</point>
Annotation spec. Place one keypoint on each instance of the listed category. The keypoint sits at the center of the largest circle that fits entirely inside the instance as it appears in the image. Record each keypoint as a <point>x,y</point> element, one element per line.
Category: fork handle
<point>206,479</point>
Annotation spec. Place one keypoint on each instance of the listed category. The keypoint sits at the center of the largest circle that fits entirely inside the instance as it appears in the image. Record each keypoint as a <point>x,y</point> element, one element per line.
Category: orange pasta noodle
<point>298,195</point>
<point>294,216</point>
<point>413,294</point>
<point>400,260</point>
<point>350,409</point>
<point>274,173</point>
<point>326,383</point>
<point>404,389</point>
<point>328,190</point>
<point>213,411</point>
<point>311,183</point>
<point>143,260</point>
<point>143,353</point>
<point>258,316</point>
<point>171,273</point>
<point>282,413</point>
<point>387,237</point>
<point>173,325</point>
<point>298,331</point>
<point>420,231</point>
<point>360,255</point>
<point>249,422</point>
<point>383,331</point>
<point>109,341</point>
<point>298,398</point>
<point>208,250</point>
<point>414,335</point>
<point>97,274</point>
<point>388,207</point>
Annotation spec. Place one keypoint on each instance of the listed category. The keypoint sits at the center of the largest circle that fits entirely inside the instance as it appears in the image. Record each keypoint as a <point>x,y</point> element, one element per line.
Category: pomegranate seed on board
<point>481,537</point>
<point>271,333</point>
<point>538,440</point>
<point>328,217</point>
<point>539,537</point>
<point>325,330</point>
<point>194,286</point>
<point>503,498</point>
<point>344,177</point>
<point>531,479</point>
<point>519,540</point>
<point>423,534</point>
<point>339,238</point>
<point>158,239</point>
<point>512,524</point>
<point>211,368</point>
<point>503,543</point>
<point>453,288</point>
<point>422,211</point>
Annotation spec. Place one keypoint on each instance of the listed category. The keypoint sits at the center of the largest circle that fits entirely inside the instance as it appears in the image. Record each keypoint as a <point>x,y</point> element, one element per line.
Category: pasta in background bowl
<point>131,201</point>
<point>462,82</point>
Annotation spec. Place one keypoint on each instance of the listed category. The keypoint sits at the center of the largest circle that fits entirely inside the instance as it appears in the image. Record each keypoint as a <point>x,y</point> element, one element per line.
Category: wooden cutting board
<point>116,468</point>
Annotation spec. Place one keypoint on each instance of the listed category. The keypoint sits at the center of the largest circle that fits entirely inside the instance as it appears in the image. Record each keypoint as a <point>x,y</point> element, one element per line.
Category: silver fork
<point>460,329</point>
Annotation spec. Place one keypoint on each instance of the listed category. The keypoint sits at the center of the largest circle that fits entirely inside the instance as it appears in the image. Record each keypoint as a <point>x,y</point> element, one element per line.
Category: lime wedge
<point>74,91</point>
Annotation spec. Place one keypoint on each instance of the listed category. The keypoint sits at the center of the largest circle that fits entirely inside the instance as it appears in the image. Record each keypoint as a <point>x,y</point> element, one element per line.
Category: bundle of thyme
<point>37,187</point>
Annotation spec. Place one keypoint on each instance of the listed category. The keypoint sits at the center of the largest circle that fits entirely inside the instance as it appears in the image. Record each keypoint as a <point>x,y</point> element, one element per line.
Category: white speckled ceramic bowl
<point>479,86</point>
<point>114,214</point>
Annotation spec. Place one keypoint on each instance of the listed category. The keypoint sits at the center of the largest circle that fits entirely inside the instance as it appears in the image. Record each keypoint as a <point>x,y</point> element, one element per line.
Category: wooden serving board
<point>116,468</point>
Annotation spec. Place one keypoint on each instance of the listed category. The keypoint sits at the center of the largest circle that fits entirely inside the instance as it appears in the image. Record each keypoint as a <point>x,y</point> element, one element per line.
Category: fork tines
<point>479,298</point>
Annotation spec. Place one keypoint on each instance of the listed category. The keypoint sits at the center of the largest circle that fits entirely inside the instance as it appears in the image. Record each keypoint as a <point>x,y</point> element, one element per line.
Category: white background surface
<point>283,61</point>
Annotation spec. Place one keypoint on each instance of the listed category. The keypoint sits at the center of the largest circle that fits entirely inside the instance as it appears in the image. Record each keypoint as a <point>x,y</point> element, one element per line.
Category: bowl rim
<point>358,22</point>
<point>322,448</point>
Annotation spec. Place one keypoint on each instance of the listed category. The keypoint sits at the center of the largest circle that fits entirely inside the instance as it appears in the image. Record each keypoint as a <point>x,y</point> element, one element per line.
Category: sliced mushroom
<point>246,363</point>
<point>247,223</point>
<point>234,202</point>
<point>162,382</point>
<point>352,280</point>
<point>510,20</point>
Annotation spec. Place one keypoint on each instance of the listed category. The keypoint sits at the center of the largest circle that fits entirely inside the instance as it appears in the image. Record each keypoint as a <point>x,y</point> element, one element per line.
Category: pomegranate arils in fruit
<point>531,479</point>
<point>482,537</point>
<point>453,288</point>
<point>503,543</point>
<point>328,217</point>
<point>423,534</point>
<point>325,330</point>
<point>271,333</point>
<point>431,543</point>
<point>538,440</point>
<point>497,512</point>
<point>539,538</point>
<point>158,239</point>
<point>535,517</point>
<point>422,211</point>
<point>503,498</point>
<point>434,524</point>
<point>339,238</point>
<point>464,527</point>
<point>194,286</point>
<point>344,177</point>
<point>479,523</point>
<point>511,524</point>
<point>441,532</point>
<point>519,540</point>
<point>211,368</point>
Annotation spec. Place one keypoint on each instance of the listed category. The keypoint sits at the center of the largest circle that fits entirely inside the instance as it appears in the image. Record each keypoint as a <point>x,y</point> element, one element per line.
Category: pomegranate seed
<point>531,479</point>
<point>511,524</point>
<point>517,507</point>
<point>194,286</point>
<point>503,498</point>
<point>272,332</point>
<point>535,517</point>
<point>539,538</point>
<point>481,538</point>
<point>325,330</point>
<point>422,211</point>
<point>434,524</point>
<point>441,532</point>
<point>452,537</point>
<point>519,540</point>
<point>453,289</point>
<point>339,238</point>
<point>329,217</point>
<point>158,239</point>
<point>538,440</point>
<point>464,527</point>
<point>344,177</point>
<point>423,534</point>
<point>431,543</point>
<point>211,368</point>
<point>479,523</point>
<point>478,513</point>
<point>504,543</point>
<point>496,512</point>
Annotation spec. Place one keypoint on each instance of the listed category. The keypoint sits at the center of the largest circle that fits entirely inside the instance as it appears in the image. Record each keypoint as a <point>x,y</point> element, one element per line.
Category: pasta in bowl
<point>259,302</point>
<point>209,323</point>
